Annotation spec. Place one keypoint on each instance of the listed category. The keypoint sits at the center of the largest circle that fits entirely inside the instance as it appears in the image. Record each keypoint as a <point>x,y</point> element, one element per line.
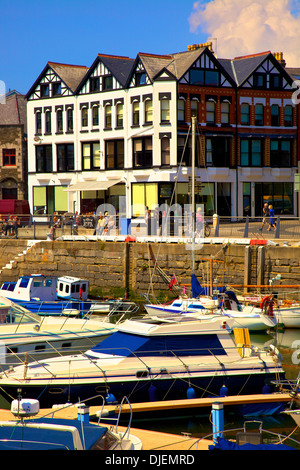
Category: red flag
<point>172,282</point>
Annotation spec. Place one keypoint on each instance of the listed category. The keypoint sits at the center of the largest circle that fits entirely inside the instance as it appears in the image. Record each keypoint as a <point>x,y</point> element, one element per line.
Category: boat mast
<point>193,192</point>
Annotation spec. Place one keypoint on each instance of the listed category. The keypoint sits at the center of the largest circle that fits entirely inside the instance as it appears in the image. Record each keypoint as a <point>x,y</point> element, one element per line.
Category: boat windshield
<point>17,314</point>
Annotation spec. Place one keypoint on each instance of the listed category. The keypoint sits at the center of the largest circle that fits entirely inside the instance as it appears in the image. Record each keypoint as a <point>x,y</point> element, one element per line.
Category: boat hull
<point>253,322</point>
<point>144,389</point>
<point>288,317</point>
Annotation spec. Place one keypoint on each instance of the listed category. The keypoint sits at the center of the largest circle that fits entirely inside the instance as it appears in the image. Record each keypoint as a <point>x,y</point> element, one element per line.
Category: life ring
<point>267,305</point>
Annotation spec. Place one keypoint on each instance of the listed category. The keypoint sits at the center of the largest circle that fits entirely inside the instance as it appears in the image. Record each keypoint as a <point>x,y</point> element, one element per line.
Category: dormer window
<point>107,83</point>
<point>56,89</point>
<point>140,78</point>
<point>259,80</point>
<point>45,90</point>
<point>94,84</point>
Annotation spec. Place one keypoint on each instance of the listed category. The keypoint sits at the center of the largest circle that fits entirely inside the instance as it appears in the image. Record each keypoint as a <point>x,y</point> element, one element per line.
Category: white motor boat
<point>25,336</point>
<point>226,306</point>
<point>146,359</point>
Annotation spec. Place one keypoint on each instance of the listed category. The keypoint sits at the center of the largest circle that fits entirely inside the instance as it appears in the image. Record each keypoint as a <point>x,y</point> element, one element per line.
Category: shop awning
<point>92,185</point>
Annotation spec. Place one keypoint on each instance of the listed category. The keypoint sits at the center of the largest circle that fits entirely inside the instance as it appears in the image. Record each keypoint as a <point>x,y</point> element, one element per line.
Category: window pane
<point>196,77</point>
<point>288,116</point>
<point>245,114</point>
<point>165,110</point>
<point>148,111</point>
<point>256,153</point>
<point>96,155</point>
<point>86,156</point>
<point>135,113</point>
<point>181,110</point>
<point>225,109</point>
<point>108,116</point>
<point>211,77</point>
<point>210,111</point>
<point>110,154</point>
<point>244,152</point>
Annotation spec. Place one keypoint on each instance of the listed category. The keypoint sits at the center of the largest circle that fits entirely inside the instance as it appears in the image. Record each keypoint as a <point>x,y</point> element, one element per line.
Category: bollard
<point>217,420</point>
<point>83,413</point>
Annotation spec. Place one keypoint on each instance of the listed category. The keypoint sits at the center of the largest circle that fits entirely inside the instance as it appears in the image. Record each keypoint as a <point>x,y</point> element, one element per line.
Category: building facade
<point>122,127</point>
<point>13,147</point>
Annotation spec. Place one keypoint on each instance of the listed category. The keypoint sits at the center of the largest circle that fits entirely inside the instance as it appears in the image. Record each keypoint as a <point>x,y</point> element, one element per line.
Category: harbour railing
<point>170,227</point>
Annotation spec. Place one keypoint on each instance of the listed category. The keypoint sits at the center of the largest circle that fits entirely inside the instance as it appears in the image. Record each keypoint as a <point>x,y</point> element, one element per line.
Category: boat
<point>225,305</point>
<point>66,295</point>
<point>147,359</point>
<point>28,432</point>
<point>25,336</point>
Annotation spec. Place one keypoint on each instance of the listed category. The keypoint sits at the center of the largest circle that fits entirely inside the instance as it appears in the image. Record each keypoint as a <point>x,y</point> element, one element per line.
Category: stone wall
<point>112,267</point>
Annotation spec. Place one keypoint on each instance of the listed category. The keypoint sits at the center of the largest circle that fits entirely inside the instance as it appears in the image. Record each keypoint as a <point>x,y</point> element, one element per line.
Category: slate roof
<point>243,67</point>
<point>13,111</point>
<point>71,75</point>
<point>120,67</point>
<point>294,72</point>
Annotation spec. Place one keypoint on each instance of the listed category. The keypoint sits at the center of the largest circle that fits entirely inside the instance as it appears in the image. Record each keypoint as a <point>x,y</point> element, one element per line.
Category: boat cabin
<point>72,288</point>
<point>38,287</point>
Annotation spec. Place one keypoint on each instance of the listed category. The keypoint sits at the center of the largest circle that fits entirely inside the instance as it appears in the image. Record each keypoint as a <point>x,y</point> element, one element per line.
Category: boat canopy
<point>49,433</point>
<point>129,345</point>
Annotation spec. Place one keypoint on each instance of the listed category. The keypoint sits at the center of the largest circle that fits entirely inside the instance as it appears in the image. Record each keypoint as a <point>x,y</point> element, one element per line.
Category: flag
<point>172,282</point>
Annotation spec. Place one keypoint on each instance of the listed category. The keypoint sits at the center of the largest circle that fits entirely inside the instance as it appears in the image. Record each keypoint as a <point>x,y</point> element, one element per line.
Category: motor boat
<point>171,357</point>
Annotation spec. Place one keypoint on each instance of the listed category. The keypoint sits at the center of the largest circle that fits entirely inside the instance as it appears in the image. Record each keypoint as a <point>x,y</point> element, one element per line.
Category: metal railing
<point>172,227</point>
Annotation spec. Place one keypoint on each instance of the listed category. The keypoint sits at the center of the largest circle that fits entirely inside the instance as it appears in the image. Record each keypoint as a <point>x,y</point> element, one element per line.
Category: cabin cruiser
<point>226,305</point>
<point>146,359</point>
<point>25,336</point>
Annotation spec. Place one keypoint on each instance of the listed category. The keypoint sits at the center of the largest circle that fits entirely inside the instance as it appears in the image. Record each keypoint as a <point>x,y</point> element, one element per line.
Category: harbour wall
<point>113,267</point>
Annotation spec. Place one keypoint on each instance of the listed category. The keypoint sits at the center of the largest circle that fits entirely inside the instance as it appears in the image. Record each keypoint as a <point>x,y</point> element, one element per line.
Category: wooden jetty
<point>153,440</point>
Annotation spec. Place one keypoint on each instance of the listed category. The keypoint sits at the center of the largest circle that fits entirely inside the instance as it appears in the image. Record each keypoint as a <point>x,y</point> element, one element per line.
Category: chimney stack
<point>279,56</point>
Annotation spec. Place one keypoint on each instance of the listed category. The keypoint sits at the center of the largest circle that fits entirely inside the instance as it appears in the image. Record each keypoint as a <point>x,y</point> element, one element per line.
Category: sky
<point>34,32</point>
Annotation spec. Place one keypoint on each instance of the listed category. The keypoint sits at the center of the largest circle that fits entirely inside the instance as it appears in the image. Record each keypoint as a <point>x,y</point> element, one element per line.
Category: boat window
<point>48,282</point>
<point>66,345</point>
<point>40,347</point>
<point>60,286</point>
<point>177,305</point>
<point>37,283</point>
<point>67,290</point>
<point>24,282</point>
<point>12,350</point>
<point>72,288</point>
<point>83,287</point>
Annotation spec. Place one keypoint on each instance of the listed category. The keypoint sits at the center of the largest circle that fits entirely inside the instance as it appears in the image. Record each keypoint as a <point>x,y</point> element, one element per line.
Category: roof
<point>13,110</point>
<point>71,75</point>
<point>243,67</point>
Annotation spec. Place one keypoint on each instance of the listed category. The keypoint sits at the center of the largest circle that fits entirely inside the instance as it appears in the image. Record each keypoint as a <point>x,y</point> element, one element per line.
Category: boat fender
<point>110,399</point>
<point>274,352</point>
<point>152,393</point>
<point>266,389</point>
<point>223,391</point>
<point>190,393</point>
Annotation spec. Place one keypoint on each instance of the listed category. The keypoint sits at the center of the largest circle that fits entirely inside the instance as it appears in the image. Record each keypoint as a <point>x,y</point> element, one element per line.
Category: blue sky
<point>74,31</point>
<point>34,32</point>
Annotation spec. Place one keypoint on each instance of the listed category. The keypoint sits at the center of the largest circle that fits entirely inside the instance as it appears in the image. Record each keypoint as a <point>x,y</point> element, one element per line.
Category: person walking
<point>272,218</point>
<point>265,214</point>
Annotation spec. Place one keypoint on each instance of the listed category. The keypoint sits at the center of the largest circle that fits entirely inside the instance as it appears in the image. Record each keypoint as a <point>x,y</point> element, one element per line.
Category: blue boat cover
<point>224,444</point>
<point>28,437</point>
<point>125,344</point>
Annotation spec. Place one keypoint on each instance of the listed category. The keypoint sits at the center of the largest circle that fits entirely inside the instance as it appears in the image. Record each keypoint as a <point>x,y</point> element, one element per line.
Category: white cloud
<point>250,26</point>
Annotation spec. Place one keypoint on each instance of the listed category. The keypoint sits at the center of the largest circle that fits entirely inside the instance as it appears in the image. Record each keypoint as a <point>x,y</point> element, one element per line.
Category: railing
<point>172,227</point>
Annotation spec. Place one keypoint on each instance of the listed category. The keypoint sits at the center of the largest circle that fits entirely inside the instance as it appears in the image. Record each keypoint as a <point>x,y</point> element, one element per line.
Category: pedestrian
<point>272,218</point>
<point>199,220</point>
<point>266,215</point>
